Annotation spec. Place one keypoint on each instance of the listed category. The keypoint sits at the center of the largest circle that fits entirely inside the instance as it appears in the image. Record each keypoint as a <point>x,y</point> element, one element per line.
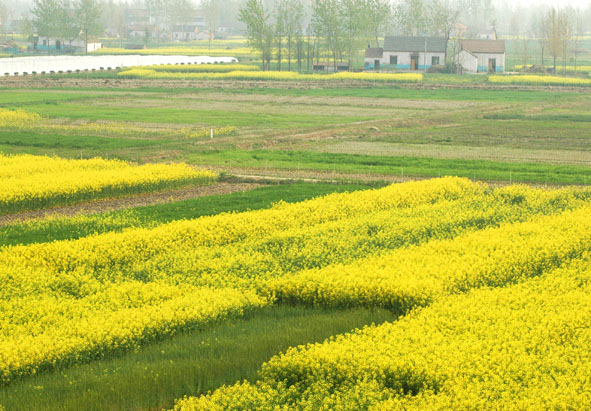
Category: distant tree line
<point>337,29</point>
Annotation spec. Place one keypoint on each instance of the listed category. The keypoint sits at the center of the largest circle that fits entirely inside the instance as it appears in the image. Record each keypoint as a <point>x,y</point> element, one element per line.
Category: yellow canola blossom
<point>39,181</point>
<point>114,252</point>
<point>259,256</point>
<point>522,347</point>
<point>17,118</point>
<point>47,329</point>
<point>74,301</point>
<point>417,275</point>
<point>22,120</point>
<point>274,75</point>
<point>50,289</point>
<point>66,302</point>
<point>539,80</point>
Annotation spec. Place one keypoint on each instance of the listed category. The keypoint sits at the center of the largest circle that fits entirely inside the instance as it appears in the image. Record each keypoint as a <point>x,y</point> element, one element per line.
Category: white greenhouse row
<point>66,64</point>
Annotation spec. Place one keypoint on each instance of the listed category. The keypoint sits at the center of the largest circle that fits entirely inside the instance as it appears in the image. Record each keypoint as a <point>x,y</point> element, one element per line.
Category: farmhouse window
<point>435,60</point>
<point>393,60</point>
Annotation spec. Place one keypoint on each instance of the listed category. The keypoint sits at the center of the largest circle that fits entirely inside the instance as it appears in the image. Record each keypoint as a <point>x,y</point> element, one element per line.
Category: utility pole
<point>425,57</point>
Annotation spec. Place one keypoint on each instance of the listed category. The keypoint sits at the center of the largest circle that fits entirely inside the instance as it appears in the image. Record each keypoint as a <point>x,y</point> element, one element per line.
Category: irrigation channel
<point>69,64</point>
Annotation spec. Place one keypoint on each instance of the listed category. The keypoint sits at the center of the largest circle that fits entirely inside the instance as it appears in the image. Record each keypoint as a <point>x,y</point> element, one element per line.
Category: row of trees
<point>264,33</point>
<point>338,28</point>
<point>60,19</point>
<point>81,19</point>
<point>3,18</point>
<point>558,33</point>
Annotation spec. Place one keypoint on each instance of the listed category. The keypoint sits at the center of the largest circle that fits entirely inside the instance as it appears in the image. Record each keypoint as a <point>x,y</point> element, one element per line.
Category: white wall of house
<point>404,60</point>
<point>137,33</point>
<point>468,62</point>
<point>80,44</point>
<point>483,61</point>
<point>184,35</point>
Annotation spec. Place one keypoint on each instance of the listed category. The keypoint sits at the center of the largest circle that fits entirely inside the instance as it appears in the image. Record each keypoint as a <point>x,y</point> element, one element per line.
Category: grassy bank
<point>400,166</point>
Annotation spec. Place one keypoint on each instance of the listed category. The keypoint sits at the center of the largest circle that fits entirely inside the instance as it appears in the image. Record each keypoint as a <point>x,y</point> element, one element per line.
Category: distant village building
<point>53,44</point>
<point>487,35</point>
<point>140,30</point>
<point>190,32</point>
<point>142,23</point>
<point>482,56</point>
<point>329,66</point>
<point>406,53</point>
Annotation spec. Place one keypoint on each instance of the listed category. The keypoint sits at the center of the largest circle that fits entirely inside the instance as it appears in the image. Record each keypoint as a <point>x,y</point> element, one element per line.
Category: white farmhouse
<point>406,53</point>
<point>488,34</point>
<point>482,56</point>
<point>185,32</point>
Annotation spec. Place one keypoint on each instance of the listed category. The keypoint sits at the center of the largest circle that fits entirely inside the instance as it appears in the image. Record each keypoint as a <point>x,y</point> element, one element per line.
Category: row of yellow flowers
<point>73,301</point>
<point>274,75</point>
<point>520,347</point>
<point>539,80</point>
<point>416,276</point>
<point>23,120</point>
<point>40,181</point>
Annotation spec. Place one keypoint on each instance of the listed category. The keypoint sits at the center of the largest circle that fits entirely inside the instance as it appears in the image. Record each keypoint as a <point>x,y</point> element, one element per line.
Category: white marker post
<point>211,134</point>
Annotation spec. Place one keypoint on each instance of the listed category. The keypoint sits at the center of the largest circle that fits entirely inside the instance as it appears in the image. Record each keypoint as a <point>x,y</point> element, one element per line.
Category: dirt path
<point>101,206</point>
<point>270,176</point>
<point>122,83</point>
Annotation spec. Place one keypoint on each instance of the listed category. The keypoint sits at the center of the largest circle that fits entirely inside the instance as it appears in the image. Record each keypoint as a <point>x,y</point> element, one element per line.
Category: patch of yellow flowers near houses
<point>40,181</point>
<point>272,75</point>
<point>454,258</point>
<point>539,80</point>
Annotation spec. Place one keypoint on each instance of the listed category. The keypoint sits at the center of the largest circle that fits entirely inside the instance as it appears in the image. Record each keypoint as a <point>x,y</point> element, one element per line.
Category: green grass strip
<point>401,166</point>
<point>64,228</point>
<point>189,364</point>
<point>444,94</point>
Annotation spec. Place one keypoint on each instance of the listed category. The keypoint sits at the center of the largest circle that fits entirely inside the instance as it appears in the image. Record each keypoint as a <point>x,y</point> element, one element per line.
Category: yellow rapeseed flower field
<point>539,80</point>
<point>40,181</point>
<point>274,75</point>
<point>17,118</point>
<point>402,247</point>
<point>520,347</point>
<point>22,120</point>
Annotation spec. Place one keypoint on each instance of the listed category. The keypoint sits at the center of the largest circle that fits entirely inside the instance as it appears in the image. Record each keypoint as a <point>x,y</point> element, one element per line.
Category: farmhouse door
<point>376,64</point>
<point>492,65</point>
<point>414,63</point>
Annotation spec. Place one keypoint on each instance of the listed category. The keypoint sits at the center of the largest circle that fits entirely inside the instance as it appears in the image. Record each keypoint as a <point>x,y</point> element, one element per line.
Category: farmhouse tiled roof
<point>374,53</point>
<point>414,44</point>
<point>483,46</point>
